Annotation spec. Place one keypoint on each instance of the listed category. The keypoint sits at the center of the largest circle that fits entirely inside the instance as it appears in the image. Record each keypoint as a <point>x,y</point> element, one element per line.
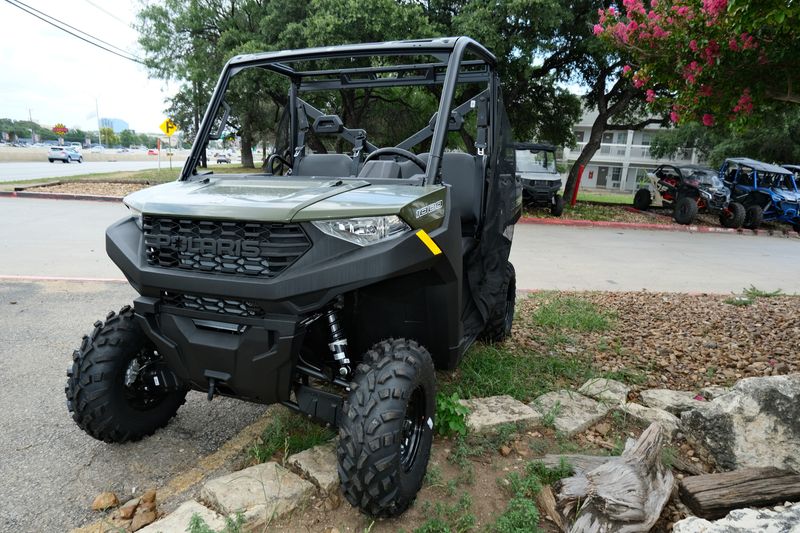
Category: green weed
<point>521,516</point>
<point>739,301</point>
<point>232,525</point>
<point>288,433</point>
<point>448,518</point>
<point>754,293</point>
<point>451,416</point>
<point>561,312</point>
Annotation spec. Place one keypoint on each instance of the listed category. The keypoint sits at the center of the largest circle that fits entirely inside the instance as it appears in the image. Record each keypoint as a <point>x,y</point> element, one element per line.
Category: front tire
<point>498,327</point>
<point>101,402</point>
<point>386,432</point>
<point>685,210</point>
<point>734,218</point>
<point>557,207</point>
<point>753,216</point>
<point>642,199</point>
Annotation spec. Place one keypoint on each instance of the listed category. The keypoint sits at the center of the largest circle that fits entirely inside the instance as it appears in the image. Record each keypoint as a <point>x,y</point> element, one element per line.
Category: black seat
<point>463,172</point>
<point>333,165</point>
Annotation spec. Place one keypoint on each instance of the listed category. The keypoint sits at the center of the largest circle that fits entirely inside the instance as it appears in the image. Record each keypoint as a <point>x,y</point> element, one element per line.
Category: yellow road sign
<point>169,127</point>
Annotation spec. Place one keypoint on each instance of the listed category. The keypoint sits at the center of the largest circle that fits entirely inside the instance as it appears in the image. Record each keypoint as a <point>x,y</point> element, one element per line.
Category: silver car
<point>65,154</point>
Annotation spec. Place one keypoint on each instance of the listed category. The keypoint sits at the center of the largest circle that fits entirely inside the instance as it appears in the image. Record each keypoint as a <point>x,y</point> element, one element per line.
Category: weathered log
<point>579,463</point>
<point>714,495</point>
<point>546,501</point>
<point>625,494</point>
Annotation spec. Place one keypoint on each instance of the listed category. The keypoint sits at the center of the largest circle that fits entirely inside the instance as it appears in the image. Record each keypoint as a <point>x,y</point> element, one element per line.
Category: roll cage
<point>451,69</point>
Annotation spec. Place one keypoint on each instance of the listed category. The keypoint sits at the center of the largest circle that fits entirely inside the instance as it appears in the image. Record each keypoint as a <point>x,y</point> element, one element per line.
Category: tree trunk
<point>247,146</point>
<point>592,145</point>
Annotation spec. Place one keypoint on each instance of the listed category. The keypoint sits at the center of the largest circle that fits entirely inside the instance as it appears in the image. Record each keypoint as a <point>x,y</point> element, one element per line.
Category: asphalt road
<point>50,470</point>
<point>66,238</point>
<point>12,171</point>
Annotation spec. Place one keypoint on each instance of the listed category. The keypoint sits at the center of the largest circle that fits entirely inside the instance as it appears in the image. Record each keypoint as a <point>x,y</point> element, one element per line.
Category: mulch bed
<point>681,341</point>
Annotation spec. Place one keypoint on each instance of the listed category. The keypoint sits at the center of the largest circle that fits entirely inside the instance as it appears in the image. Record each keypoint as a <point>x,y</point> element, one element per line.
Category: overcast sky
<point>58,76</point>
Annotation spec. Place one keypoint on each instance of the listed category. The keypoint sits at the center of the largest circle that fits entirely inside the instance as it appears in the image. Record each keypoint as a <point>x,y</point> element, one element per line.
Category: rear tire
<point>735,218</point>
<point>51,160</point>
<point>685,210</point>
<point>642,199</point>
<point>557,207</point>
<point>498,327</point>
<point>80,160</point>
<point>386,432</point>
<point>753,216</point>
<point>97,396</point>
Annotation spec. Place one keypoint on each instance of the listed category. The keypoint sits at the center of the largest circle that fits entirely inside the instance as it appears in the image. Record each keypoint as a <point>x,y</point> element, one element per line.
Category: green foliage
<point>549,418</point>
<point>448,518</point>
<point>451,416</point>
<point>739,301</point>
<point>562,312</point>
<point>491,370</point>
<point>753,293</point>
<point>521,516</point>
<point>287,434</point>
<point>232,525</point>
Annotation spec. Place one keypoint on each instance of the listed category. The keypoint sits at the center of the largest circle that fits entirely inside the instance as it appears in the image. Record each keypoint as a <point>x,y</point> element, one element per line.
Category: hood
<point>787,196</point>
<point>550,176</point>
<point>275,199</point>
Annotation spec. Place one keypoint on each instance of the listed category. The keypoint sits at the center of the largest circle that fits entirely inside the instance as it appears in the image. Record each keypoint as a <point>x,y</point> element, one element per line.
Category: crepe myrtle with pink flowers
<point>709,61</point>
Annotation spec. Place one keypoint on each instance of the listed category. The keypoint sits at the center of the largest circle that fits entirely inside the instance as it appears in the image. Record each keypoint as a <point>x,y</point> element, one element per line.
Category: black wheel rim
<point>413,427</point>
<point>136,394</point>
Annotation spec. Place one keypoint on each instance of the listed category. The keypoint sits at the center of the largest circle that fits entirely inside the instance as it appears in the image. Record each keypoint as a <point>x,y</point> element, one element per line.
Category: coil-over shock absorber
<point>338,344</point>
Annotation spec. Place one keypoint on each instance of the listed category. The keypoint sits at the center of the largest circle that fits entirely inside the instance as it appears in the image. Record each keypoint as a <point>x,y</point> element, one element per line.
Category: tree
<point>721,60</point>
<point>127,138</point>
<point>108,137</point>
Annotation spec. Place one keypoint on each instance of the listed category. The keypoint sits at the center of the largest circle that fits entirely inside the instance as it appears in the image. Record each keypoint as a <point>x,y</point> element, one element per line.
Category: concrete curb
<point>643,226</point>
<point>59,196</point>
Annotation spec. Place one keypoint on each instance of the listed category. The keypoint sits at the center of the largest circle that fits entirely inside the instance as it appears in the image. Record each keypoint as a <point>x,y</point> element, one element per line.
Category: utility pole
<point>97,112</point>
<point>33,137</point>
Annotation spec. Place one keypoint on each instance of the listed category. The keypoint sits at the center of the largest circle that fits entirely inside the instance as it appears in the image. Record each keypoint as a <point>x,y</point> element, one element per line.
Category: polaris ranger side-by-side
<point>336,279</point>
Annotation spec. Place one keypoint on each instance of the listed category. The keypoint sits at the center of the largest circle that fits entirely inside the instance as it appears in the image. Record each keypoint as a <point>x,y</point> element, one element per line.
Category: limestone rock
<point>319,465</point>
<point>672,401</point>
<point>263,492</point>
<point>756,424</point>
<point>713,392</point>
<point>782,519</point>
<point>669,422</point>
<point>485,414</point>
<point>570,412</point>
<point>606,390</point>
<point>105,500</point>
<point>141,519</point>
<point>149,496</point>
<point>178,520</point>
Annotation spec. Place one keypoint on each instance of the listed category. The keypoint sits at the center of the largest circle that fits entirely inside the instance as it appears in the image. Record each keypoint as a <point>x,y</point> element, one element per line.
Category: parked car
<point>152,151</point>
<point>688,190</point>
<point>98,148</point>
<point>541,182</point>
<point>75,146</point>
<point>65,154</point>
<point>768,192</point>
<point>222,158</point>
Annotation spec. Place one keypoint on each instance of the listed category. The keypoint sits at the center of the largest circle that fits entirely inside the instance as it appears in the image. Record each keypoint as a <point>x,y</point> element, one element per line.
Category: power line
<point>72,27</point>
<point>33,12</point>
<point>109,13</point>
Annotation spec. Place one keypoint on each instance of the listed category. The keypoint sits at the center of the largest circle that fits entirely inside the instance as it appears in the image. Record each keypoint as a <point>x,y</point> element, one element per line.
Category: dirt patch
<point>678,341</point>
<point>95,189</point>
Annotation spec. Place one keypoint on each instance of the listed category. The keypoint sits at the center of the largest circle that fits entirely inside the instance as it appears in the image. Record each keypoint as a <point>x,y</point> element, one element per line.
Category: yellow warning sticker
<point>426,239</point>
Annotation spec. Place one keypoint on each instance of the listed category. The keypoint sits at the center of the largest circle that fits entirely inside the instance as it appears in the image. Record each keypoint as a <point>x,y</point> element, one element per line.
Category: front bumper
<point>246,332</point>
<point>540,191</point>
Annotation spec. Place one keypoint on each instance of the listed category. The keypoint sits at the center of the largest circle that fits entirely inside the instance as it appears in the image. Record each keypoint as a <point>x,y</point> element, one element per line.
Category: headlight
<point>137,215</point>
<point>364,231</point>
<point>705,194</point>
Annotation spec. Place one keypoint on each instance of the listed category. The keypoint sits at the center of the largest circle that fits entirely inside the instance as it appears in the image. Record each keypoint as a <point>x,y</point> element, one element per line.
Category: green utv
<point>339,277</point>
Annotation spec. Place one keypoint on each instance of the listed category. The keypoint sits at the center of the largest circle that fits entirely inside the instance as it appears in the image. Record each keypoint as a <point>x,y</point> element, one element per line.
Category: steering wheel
<point>393,150</point>
<point>275,163</point>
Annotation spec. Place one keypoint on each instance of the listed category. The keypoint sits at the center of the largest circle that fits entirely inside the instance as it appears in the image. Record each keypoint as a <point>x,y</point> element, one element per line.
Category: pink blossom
<point>711,52</point>
<point>705,90</point>
<point>693,45</point>
<point>652,15</point>
<point>733,44</point>
<point>659,33</point>
<point>745,103</point>
<point>714,7</point>
<point>651,96</point>
<point>626,69</point>
<point>654,3</point>
<point>673,116</point>
<point>708,120</point>
<point>598,29</point>
<point>691,71</point>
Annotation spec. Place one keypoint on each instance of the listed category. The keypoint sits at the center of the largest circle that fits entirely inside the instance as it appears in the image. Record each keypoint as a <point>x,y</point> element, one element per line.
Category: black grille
<point>221,247</point>
<point>209,304</point>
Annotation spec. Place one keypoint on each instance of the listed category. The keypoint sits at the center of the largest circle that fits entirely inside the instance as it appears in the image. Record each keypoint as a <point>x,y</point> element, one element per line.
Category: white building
<point>622,156</point>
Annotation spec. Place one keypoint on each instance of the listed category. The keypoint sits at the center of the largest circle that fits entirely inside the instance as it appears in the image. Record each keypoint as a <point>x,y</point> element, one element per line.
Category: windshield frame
<point>450,50</point>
